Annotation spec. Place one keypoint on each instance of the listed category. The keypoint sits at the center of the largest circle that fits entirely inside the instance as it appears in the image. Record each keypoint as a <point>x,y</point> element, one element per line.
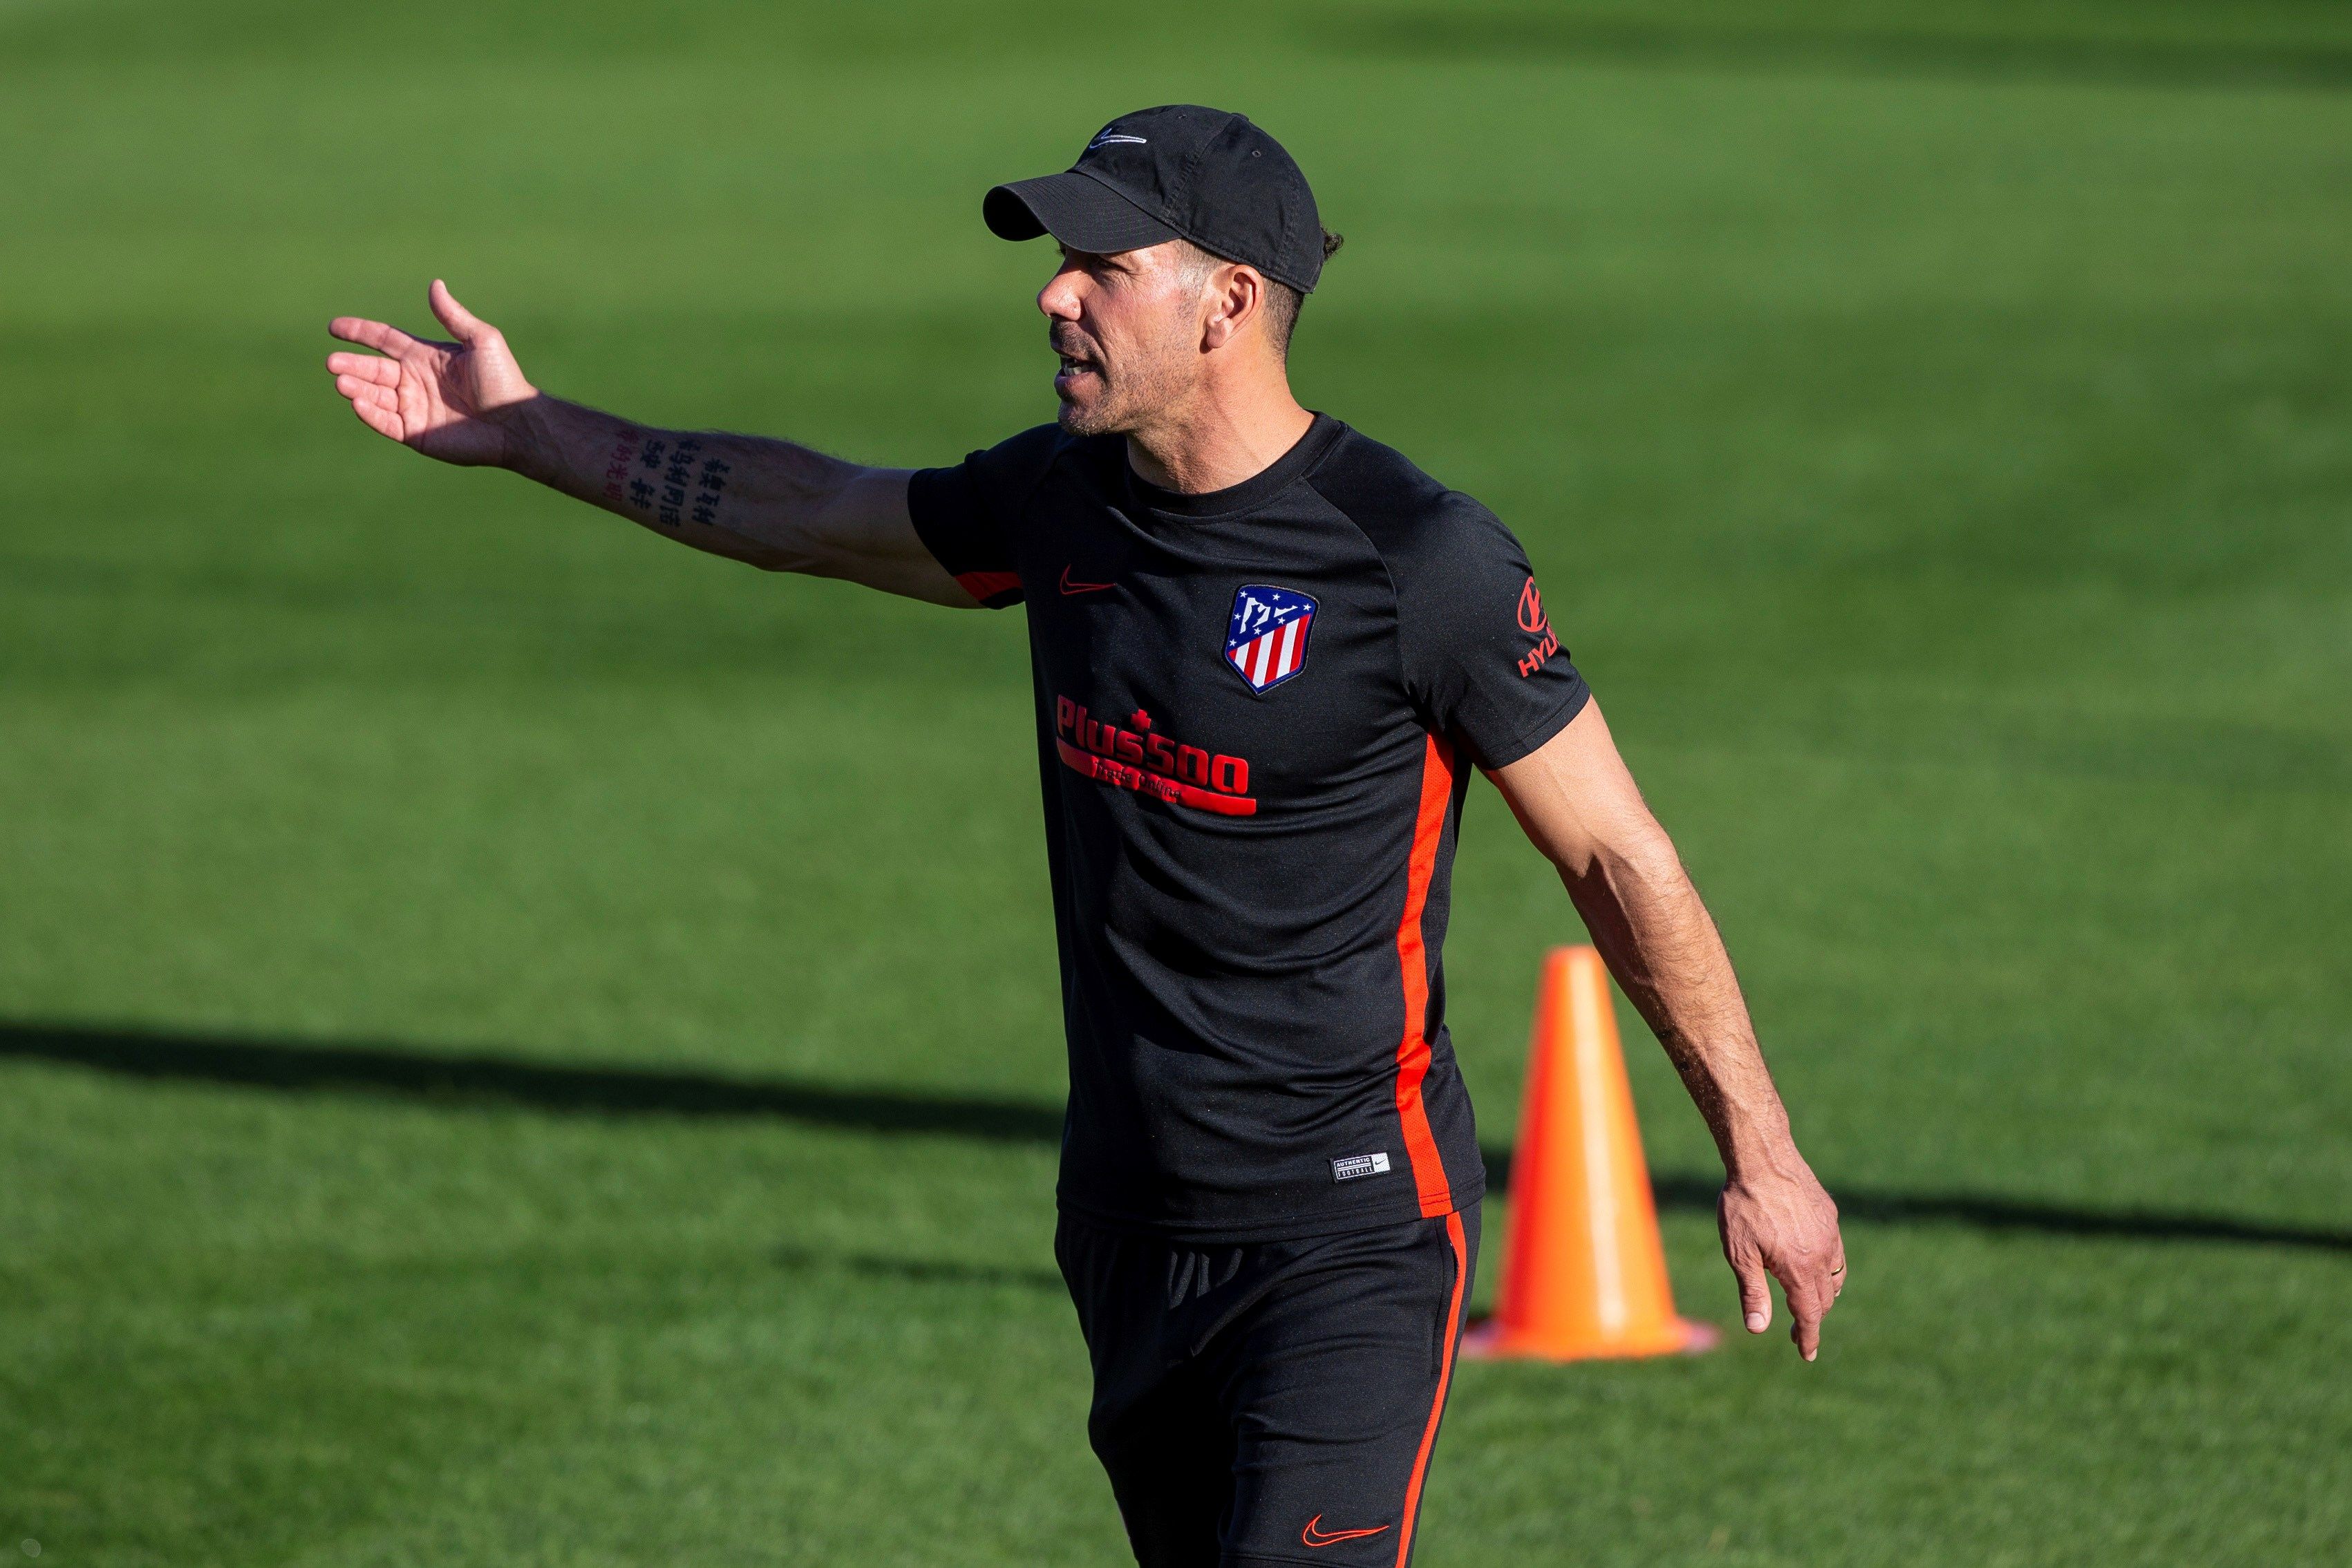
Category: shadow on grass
<point>513,1081</point>
<point>494,1081</point>
<point>1518,36</point>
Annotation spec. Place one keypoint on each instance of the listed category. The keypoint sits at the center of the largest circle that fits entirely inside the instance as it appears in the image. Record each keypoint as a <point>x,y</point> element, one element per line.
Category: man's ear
<point>1240,300</point>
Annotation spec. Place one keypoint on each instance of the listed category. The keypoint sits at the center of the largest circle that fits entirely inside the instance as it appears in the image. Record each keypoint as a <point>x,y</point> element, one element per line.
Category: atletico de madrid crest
<point>1266,640</point>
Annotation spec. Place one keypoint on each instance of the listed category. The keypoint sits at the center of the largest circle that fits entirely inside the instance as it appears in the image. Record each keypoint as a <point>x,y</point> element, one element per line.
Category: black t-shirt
<point>1257,714</point>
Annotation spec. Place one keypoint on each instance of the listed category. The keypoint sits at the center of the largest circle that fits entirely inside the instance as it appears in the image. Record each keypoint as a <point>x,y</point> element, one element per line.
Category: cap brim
<point>1074,208</point>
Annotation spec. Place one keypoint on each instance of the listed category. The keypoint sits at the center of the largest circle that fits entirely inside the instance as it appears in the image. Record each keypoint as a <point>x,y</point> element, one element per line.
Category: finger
<point>383,420</point>
<point>463,324</point>
<point>373,334</point>
<point>1806,1308</point>
<point>366,366</point>
<point>1754,1291</point>
<point>1811,1291</point>
<point>360,390</point>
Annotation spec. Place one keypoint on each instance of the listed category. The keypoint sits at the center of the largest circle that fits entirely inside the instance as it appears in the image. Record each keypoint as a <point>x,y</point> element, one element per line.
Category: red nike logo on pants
<point>1069,586</point>
<point>1314,1535</point>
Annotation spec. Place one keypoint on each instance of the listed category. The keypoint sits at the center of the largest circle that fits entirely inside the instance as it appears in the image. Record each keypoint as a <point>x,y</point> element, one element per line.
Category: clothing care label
<point>1356,1166</point>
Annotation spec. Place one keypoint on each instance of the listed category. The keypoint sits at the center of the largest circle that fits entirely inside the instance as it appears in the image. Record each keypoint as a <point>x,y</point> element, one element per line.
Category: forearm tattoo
<point>617,471</point>
<point>664,479</point>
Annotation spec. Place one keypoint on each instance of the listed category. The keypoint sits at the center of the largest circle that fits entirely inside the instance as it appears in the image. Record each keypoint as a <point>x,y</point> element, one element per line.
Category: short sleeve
<point>969,515</point>
<point>1480,655</point>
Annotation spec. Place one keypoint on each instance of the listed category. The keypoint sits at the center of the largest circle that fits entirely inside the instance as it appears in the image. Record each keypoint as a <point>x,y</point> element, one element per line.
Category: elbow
<point>1650,862</point>
<point>771,555</point>
<point>1630,868</point>
<point>1654,858</point>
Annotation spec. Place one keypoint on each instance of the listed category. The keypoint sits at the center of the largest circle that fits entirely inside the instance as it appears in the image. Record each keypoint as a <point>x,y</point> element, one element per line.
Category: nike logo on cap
<point>1106,138</point>
<point>1313,1535</point>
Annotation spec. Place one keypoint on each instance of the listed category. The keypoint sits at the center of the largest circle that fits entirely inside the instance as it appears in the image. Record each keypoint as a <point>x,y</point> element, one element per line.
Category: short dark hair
<point>1283,302</point>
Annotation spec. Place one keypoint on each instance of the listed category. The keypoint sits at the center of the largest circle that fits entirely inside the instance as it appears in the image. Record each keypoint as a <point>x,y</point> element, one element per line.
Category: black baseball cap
<point>1179,171</point>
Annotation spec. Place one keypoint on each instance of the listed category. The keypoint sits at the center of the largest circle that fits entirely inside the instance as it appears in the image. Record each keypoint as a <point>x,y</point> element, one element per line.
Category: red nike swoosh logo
<point>1069,586</point>
<point>1313,1536</point>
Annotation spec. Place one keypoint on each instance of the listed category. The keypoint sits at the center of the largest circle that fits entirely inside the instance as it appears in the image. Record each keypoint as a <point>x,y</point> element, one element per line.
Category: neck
<point>1229,433</point>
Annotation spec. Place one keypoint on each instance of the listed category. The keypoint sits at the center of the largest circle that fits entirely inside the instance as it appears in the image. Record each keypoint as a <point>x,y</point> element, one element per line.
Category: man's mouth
<point>1075,369</point>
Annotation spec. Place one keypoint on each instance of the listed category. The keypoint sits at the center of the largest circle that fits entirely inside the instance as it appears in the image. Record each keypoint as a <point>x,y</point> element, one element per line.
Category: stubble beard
<point>1143,389</point>
<point>1100,419</point>
<point>1116,410</point>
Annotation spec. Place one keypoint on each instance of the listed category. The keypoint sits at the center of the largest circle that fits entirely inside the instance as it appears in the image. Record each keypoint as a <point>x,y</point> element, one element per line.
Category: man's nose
<point>1060,299</point>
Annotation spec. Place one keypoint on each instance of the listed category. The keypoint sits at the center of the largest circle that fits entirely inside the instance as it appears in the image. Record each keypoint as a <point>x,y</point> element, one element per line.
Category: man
<point>1267,654</point>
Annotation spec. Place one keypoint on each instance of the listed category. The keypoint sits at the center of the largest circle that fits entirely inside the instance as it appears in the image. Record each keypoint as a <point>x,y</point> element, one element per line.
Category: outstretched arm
<point>1578,804</point>
<point>775,504</point>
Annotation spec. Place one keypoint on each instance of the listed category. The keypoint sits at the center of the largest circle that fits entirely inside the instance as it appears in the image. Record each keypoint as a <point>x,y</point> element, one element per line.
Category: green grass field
<point>523,1045</point>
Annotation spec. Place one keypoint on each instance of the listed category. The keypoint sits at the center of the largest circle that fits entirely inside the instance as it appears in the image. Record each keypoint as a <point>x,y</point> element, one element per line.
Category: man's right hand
<point>780,507</point>
<point>445,399</point>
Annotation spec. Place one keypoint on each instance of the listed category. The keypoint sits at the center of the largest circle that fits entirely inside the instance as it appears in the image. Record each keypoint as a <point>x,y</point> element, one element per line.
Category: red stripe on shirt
<point>986,585</point>
<point>1412,1050</point>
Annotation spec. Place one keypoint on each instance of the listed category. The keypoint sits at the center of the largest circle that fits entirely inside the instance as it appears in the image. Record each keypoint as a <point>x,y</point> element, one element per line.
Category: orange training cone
<point>1583,1275</point>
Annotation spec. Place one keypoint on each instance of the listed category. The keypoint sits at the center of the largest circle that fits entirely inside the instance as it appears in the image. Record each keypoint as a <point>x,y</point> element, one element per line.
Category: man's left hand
<point>1783,1223</point>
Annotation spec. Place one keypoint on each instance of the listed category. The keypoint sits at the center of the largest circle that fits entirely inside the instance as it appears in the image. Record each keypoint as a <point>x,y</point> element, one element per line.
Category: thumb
<point>464,325</point>
<point>1755,1290</point>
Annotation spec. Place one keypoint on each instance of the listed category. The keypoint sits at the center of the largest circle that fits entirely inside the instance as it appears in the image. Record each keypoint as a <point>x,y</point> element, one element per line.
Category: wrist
<point>527,435</point>
<point>1761,1151</point>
